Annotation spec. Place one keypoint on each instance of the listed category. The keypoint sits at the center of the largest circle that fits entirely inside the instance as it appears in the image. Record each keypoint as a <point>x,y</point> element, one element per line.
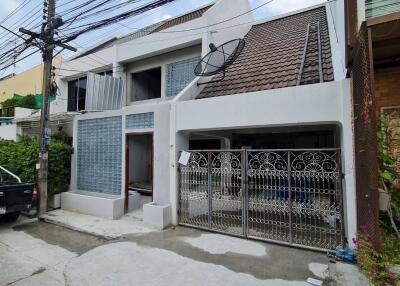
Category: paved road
<point>39,253</point>
<point>36,253</point>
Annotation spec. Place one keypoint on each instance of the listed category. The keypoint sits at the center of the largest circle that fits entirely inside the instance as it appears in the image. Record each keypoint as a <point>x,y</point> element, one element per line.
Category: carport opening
<point>146,84</point>
<point>302,137</point>
<point>281,184</point>
<point>139,170</point>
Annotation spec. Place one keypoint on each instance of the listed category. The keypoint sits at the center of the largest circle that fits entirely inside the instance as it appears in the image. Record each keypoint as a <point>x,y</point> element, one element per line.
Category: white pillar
<point>178,142</point>
<point>348,164</point>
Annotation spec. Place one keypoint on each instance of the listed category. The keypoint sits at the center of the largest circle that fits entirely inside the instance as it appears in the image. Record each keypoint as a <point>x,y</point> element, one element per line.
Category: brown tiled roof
<point>274,56</point>
<point>182,19</point>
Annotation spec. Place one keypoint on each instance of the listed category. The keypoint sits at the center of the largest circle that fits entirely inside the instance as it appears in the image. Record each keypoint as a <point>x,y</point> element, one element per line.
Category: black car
<point>15,196</point>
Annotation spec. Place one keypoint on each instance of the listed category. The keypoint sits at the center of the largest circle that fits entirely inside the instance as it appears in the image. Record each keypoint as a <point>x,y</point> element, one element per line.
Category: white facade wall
<point>316,104</point>
<point>8,132</point>
<point>161,151</point>
<point>336,25</point>
<point>13,131</point>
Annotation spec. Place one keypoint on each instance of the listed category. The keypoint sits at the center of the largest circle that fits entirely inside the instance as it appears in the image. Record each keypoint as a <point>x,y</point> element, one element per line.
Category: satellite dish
<point>219,59</point>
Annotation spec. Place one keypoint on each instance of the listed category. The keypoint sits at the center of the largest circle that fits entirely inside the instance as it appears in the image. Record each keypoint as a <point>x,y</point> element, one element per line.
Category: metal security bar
<point>225,191</point>
<point>287,196</point>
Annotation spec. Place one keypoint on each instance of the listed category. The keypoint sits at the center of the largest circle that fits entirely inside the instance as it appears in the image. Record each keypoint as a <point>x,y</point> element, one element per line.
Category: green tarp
<point>38,99</point>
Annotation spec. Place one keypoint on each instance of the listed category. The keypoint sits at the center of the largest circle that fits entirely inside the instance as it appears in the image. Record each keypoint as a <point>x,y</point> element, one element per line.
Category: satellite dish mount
<point>218,60</point>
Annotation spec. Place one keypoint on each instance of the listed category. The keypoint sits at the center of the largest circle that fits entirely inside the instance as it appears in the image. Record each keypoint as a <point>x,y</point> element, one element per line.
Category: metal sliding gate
<point>287,196</point>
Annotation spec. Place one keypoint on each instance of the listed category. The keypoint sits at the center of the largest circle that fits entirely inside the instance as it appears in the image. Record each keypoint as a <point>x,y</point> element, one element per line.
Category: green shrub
<point>27,101</point>
<point>11,102</point>
<point>375,261</point>
<point>21,158</point>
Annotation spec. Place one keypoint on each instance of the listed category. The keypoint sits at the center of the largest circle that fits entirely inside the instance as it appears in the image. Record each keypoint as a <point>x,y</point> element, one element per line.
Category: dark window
<point>72,98</point>
<point>202,144</point>
<point>77,94</point>
<point>292,140</point>
<point>146,85</point>
<point>109,72</point>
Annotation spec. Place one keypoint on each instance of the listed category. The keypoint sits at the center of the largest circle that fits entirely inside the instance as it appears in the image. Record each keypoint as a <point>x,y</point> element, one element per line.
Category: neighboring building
<point>373,60</point>
<point>270,146</point>
<point>15,122</point>
<point>26,82</point>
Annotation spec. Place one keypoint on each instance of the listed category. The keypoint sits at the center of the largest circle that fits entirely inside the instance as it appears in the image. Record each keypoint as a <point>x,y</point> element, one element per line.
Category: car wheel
<point>10,217</point>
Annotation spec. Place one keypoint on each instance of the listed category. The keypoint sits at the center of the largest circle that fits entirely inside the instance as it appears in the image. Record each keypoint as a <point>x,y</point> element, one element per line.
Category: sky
<point>32,10</point>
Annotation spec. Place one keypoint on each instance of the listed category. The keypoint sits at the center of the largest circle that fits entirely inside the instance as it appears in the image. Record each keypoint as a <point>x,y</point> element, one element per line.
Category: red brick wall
<point>387,87</point>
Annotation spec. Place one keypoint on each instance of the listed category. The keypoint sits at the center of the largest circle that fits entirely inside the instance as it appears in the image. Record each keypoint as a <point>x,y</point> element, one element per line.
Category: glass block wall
<point>376,8</point>
<point>139,121</point>
<point>179,75</point>
<point>99,155</point>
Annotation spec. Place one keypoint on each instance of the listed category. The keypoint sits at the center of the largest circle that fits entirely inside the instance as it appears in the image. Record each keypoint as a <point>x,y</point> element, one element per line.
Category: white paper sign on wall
<point>184,158</point>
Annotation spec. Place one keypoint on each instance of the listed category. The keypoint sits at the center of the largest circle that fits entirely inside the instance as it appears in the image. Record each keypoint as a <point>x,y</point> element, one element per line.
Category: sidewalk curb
<point>47,219</point>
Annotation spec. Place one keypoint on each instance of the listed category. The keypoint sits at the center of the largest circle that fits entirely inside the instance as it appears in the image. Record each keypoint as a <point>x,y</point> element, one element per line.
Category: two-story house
<point>265,152</point>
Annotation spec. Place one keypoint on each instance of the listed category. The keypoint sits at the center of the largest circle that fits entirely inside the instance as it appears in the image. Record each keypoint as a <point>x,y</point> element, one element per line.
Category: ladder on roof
<point>312,44</point>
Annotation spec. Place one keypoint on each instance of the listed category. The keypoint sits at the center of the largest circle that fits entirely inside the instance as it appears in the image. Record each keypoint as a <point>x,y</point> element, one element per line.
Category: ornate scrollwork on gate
<point>266,161</point>
<point>226,161</point>
<point>282,195</point>
<point>314,162</point>
<point>197,160</point>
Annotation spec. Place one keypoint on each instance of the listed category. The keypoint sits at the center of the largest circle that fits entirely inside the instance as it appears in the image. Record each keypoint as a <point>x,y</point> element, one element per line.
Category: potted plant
<point>384,200</point>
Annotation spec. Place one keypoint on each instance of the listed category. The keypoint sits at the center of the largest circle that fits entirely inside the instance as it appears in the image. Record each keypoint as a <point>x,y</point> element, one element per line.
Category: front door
<point>138,165</point>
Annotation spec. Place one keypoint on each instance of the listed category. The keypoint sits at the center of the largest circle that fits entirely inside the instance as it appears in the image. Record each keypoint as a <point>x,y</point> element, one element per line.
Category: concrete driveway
<point>39,253</point>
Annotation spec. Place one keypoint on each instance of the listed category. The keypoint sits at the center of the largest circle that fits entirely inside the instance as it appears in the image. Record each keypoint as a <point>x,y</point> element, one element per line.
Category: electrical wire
<point>139,10</point>
<point>136,19</point>
<point>19,7</point>
<point>106,62</point>
<point>20,59</point>
<point>211,25</point>
<point>104,22</point>
<point>27,19</point>
<point>15,34</point>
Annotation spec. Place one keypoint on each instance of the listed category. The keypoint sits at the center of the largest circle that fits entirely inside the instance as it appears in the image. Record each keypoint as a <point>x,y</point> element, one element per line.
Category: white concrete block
<point>8,132</point>
<point>55,201</point>
<point>135,201</point>
<point>158,216</point>
<point>100,205</point>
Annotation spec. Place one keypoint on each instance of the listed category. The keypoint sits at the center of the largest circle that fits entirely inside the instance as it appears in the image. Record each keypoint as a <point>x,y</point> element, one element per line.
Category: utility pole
<point>47,44</point>
<point>48,38</point>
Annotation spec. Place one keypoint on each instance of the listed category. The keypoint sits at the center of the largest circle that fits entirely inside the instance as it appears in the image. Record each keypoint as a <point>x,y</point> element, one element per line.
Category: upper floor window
<point>77,94</point>
<point>146,84</point>
<point>109,72</point>
<point>179,75</point>
<point>376,8</point>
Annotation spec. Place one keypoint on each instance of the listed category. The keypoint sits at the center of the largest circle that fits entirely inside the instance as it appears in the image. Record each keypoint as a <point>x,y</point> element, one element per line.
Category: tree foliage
<point>25,101</point>
<point>21,158</point>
